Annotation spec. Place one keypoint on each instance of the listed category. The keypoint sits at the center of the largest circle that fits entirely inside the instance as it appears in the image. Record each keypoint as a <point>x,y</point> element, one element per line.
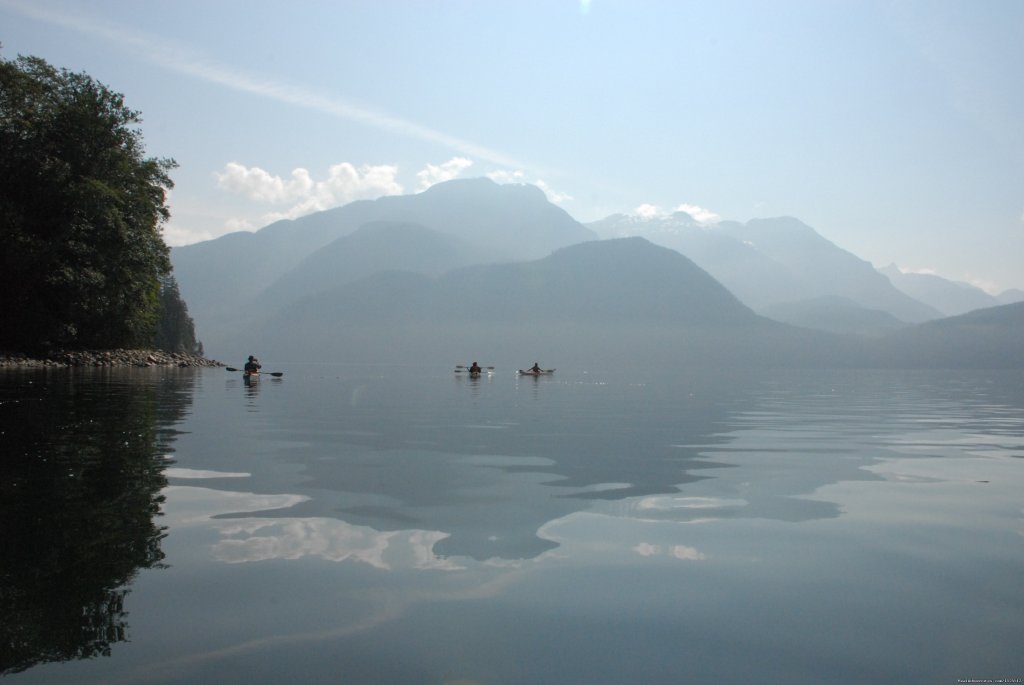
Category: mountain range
<point>770,262</point>
<point>949,297</point>
<point>225,278</point>
<point>471,268</point>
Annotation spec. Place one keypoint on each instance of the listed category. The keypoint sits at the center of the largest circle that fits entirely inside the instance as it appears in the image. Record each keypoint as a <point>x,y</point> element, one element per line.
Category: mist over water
<point>403,523</point>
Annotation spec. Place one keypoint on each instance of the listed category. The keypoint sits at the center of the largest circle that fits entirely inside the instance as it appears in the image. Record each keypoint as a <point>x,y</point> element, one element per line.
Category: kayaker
<point>253,365</point>
<point>475,368</point>
<point>535,368</point>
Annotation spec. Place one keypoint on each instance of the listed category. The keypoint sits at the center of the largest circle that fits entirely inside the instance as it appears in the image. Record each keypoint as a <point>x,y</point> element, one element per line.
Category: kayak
<point>251,376</point>
<point>531,372</point>
<point>483,369</point>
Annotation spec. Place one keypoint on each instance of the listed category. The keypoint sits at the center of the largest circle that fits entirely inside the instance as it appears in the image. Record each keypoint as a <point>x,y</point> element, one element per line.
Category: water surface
<point>409,525</point>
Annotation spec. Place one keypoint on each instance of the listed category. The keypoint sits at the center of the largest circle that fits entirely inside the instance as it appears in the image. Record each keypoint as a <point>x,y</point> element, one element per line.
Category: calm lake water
<point>409,525</point>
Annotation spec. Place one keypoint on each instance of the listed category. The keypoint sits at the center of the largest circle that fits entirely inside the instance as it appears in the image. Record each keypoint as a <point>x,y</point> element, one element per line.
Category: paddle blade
<point>228,368</point>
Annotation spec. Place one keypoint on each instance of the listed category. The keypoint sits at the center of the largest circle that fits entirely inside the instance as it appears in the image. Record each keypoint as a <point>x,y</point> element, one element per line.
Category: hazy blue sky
<point>896,129</point>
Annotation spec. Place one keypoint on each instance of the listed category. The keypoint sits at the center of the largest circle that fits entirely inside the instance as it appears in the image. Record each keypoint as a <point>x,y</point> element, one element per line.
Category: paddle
<point>276,374</point>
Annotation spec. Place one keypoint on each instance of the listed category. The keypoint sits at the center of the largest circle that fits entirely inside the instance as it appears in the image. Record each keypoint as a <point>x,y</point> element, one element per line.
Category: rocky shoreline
<point>106,358</point>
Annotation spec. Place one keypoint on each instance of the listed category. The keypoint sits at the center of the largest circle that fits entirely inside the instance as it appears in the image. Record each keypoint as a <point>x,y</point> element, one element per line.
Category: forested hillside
<point>81,208</point>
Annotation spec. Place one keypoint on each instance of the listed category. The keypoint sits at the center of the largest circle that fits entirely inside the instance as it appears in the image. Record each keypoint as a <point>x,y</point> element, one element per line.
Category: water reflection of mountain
<point>80,490</point>
<point>494,482</point>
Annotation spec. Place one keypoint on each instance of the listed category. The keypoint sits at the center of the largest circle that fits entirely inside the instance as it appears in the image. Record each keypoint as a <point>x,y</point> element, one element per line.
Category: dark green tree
<point>176,331</point>
<point>80,214</point>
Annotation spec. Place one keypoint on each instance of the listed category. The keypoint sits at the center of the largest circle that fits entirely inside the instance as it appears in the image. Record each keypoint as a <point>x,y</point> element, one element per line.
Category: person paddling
<point>253,365</point>
<point>535,370</point>
<point>475,368</point>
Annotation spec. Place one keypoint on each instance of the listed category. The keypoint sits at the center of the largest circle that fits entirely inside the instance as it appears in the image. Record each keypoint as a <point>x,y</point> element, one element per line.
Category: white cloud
<point>260,185</point>
<point>647,211</point>
<point>519,176</point>
<point>438,173</point>
<point>302,193</point>
<point>504,176</point>
<point>700,214</point>
<point>346,183</point>
<point>988,285</point>
<point>553,195</point>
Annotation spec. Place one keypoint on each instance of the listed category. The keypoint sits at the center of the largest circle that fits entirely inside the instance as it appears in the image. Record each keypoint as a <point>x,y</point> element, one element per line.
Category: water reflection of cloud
<point>587,535</point>
<point>198,474</point>
<point>681,552</point>
<point>688,509</point>
<point>263,539</point>
<point>192,506</point>
<point>330,539</point>
<point>254,539</point>
<point>688,503</point>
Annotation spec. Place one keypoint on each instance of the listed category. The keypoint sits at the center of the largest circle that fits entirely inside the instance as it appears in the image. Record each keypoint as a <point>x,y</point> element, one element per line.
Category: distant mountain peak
<point>770,261</point>
<point>626,225</point>
<point>684,217</point>
<point>484,187</point>
<point>478,181</point>
<point>1011,296</point>
<point>949,297</point>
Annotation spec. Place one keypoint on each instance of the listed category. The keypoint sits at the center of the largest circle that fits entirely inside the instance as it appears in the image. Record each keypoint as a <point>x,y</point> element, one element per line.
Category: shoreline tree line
<point>83,265</point>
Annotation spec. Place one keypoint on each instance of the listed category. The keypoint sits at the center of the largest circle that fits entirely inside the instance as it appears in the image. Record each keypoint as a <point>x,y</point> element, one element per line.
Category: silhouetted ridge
<point>837,315</point>
<point>375,246</point>
<point>612,281</point>
<point>949,297</point>
<point>608,282</point>
<point>984,338</point>
<point>650,280</point>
